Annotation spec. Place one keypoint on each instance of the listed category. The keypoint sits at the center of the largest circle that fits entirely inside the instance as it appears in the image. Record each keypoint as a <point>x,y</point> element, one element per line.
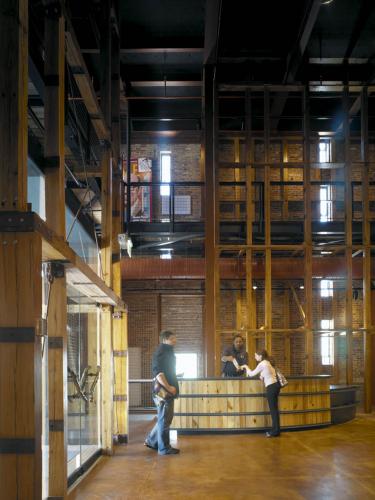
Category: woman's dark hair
<point>238,336</point>
<point>263,353</point>
<point>165,334</point>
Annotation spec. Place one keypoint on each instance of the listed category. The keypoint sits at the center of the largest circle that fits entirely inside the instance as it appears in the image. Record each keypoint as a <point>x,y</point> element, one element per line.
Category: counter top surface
<point>289,377</point>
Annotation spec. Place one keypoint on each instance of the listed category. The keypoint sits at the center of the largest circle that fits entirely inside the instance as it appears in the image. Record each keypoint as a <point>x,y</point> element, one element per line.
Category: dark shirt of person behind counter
<point>233,357</point>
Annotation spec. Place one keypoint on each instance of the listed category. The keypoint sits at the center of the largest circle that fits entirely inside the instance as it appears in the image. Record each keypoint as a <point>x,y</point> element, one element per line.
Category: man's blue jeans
<point>158,437</point>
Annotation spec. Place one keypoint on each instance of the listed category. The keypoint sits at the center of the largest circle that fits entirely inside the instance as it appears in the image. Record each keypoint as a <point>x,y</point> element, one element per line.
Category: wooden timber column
<point>309,341</point>
<point>54,69</point>
<point>250,294</point>
<point>20,274</point>
<point>366,232</point>
<point>267,227</point>
<point>106,239</point>
<point>212,300</point>
<point>348,243</point>
<point>120,333</point>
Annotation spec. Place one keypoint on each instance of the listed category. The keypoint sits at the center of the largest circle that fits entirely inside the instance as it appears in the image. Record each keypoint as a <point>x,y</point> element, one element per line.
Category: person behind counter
<point>267,373</point>
<point>233,357</point>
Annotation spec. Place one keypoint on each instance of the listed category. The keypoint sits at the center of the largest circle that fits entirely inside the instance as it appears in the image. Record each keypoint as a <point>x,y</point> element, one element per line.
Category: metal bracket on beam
<point>120,354</point>
<point>16,222</point>
<point>17,446</point>
<point>120,397</point>
<point>55,342</point>
<point>56,425</point>
<point>56,269</point>
<point>117,315</point>
<point>17,334</point>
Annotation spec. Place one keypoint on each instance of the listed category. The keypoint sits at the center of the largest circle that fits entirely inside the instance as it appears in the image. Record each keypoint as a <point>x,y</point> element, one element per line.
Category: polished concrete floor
<point>336,462</point>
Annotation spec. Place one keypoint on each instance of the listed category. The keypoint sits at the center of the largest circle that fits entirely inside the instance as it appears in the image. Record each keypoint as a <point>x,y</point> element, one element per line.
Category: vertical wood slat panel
<point>20,382</point>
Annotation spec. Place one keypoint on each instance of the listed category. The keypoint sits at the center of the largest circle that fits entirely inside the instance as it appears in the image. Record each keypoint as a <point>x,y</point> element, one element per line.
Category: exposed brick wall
<point>185,166</point>
<point>287,201</point>
<point>143,333</point>
<point>184,314</point>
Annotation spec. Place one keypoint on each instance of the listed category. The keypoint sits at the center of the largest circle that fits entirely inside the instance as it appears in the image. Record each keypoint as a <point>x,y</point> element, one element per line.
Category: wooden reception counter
<point>239,404</point>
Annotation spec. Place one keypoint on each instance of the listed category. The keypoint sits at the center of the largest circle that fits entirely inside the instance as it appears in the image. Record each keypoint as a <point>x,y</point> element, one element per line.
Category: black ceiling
<point>164,43</point>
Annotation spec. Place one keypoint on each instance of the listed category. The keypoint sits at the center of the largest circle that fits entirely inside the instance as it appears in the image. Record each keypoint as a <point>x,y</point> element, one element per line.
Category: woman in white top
<point>267,373</point>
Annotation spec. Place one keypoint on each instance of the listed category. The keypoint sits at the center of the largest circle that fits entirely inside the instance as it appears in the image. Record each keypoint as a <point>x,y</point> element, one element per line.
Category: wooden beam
<point>299,305</point>
<point>118,201</point>
<point>267,226</point>
<point>20,275</point>
<point>13,104</point>
<point>237,178</point>
<point>121,378</point>
<point>309,341</point>
<point>106,162</point>
<point>54,116</point>
<point>210,222</point>
<point>287,346</point>
<point>239,318</point>
<point>250,293</point>
<point>55,249</point>
<point>106,348</point>
<point>295,57</point>
<point>348,242</point>
<point>152,50</point>
<point>57,387</point>
<point>83,80</point>
<point>54,95</point>
<point>284,177</point>
<point>366,232</point>
<point>211,31</point>
<point>106,237</point>
<point>120,318</point>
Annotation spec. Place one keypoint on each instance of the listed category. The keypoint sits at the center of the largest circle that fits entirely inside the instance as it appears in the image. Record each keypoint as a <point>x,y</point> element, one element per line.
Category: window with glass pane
<point>324,151</point>
<point>165,172</point>
<point>80,241</point>
<point>83,377</point>
<point>327,344</point>
<point>36,189</point>
<point>326,288</point>
<point>187,364</point>
<point>325,196</point>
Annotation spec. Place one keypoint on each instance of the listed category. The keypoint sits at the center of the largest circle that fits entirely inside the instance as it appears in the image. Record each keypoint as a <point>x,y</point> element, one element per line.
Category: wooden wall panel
<point>20,365</point>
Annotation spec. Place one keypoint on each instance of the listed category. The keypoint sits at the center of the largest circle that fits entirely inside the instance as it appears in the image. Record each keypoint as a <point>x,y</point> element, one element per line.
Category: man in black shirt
<point>164,372</point>
<point>233,357</point>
